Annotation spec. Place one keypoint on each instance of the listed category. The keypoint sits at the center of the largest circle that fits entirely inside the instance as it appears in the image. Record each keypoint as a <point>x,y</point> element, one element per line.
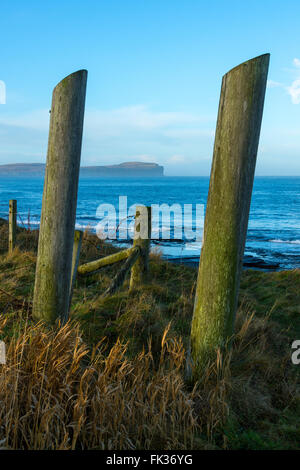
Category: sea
<point>273,238</point>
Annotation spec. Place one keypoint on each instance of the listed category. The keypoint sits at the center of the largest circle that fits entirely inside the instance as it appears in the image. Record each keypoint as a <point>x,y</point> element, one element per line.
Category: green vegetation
<point>112,378</point>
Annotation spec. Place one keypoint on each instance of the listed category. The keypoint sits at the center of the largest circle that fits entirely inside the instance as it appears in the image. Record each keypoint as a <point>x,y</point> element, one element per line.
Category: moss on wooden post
<point>142,239</point>
<point>54,260</point>
<point>227,211</point>
<point>75,259</point>
<point>12,224</point>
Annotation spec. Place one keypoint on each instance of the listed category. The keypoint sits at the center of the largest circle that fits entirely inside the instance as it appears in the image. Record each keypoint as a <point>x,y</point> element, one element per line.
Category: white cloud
<point>132,133</point>
<point>294,91</point>
<point>189,133</point>
<point>143,158</point>
<point>2,92</point>
<point>115,122</point>
<point>138,118</point>
<point>38,120</point>
<point>296,62</point>
<point>174,159</point>
<point>273,84</point>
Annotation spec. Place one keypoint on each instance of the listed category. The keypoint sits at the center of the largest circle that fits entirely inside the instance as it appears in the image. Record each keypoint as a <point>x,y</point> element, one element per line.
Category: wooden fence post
<point>12,224</point>
<point>142,239</point>
<point>227,211</point>
<point>75,259</point>
<point>54,260</point>
<point>120,276</point>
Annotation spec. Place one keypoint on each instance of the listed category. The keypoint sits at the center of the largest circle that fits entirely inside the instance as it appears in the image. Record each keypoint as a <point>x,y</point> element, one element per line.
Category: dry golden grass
<point>57,394</point>
<point>62,389</point>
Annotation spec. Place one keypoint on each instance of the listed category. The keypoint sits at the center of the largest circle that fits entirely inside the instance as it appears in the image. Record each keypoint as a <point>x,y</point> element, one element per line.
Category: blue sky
<point>155,70</point>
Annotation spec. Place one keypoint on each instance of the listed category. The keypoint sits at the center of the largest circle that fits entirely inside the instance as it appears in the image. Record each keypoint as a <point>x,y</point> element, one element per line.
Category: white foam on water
<point>193,246</point>
<point>294,242</point>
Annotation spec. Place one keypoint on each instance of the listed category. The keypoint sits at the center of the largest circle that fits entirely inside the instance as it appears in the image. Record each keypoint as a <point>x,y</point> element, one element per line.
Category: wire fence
<point>24,218</point>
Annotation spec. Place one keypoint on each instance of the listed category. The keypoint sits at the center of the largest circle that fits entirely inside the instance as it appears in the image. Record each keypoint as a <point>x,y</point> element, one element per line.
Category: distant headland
<point>125,170</point>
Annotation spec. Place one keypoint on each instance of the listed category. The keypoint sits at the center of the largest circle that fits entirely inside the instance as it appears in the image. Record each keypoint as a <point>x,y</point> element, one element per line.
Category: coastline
<point>273,232</point>
<point>190,261</point>
<point>259,265</point>
<point>193,261</point>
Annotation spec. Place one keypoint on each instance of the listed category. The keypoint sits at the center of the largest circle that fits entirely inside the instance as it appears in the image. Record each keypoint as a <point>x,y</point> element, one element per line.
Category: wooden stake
<point>75,259</point>
<point>54,261</point>
<point>228,204</point>
<point>142,239</point>
<point>120,276</point>
<point>12,225</point>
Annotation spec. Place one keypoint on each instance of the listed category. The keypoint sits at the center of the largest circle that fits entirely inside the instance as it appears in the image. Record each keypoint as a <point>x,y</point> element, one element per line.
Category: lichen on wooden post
<point>12,225</point>
<point>75,259</point>
<point>54,260</point>
<point>142,239</point>
<point>227,211</point>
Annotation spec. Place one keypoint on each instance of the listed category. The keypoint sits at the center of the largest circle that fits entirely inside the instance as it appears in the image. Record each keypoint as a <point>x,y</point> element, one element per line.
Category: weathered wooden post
<point>54,260</point>
<point>120,276</point>
<point>228,204</point>
<point>142,239</point>
<point>12,224</point>
<point>75,259</point>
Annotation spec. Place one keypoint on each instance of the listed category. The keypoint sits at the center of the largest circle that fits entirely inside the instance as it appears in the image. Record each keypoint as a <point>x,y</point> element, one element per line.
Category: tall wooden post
<point>227,211</point>
<point>75,259</point>
<point>142,239</point>
<point>12,224</point>
<point>54,261</point>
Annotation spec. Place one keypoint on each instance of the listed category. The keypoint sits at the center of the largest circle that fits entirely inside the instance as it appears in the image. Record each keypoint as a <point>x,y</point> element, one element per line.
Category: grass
<point>112,378</point>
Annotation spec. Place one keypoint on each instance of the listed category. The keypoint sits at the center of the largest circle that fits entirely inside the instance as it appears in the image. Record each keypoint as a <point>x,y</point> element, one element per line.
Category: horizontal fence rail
<point>94,266</point>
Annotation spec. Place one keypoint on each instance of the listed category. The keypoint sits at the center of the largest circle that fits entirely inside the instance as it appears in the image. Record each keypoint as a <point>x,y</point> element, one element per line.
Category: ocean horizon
<point>273,238</point>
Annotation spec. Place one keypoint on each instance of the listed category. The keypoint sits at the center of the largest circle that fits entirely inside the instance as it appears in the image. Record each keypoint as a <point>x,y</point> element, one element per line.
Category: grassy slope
<point>248,399</point>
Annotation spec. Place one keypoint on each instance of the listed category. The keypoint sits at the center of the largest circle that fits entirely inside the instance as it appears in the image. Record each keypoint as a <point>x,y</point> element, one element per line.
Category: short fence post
<point>120,276</point>
<point>12,225</point>
<point>227,212</point>
<point>75,259</point>
<point>54,260</point>
<point>142,239</point>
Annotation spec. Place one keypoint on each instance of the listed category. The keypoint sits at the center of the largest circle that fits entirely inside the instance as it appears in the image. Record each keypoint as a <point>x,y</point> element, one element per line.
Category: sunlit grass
<point>113,377</point>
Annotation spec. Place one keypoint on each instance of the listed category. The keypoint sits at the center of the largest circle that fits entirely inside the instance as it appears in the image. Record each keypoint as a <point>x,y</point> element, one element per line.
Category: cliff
<point>123,170</point>
<point>128,169</point>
